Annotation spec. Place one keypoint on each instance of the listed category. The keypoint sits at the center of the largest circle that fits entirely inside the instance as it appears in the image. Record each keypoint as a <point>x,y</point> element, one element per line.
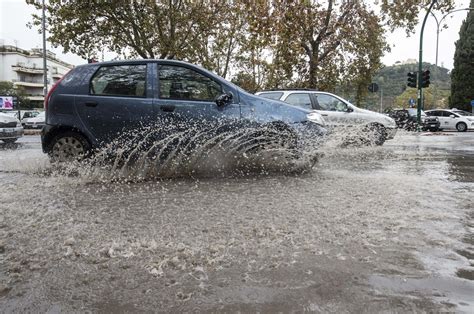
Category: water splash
<point>200,149</point>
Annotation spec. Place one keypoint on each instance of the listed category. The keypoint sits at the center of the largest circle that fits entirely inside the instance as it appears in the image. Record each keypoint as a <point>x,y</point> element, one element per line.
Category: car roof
<point>290,90</point>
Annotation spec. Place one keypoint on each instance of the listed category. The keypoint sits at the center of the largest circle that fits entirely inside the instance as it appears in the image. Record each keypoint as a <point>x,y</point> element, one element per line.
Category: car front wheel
<point>69,146</point>
<point>461,127</point>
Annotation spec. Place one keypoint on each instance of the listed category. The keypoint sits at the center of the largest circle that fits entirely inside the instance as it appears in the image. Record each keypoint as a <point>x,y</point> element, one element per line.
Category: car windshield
<point>463,113</point>
<point>413,112</point>
<point>273,95</point>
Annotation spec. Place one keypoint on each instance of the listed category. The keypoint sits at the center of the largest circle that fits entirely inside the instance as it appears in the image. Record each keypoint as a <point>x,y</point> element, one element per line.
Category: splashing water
<point>200,149</point>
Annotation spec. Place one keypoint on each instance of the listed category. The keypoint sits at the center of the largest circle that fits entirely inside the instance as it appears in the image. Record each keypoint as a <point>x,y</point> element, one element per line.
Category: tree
<point>279,43</point>
<point>132,28</point>
<point>9,89</point>
<point>462,76</point>
<point>321,44</point>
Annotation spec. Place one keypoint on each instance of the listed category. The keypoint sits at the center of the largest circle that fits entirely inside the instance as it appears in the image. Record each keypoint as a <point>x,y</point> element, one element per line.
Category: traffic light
<point>425,78</point>
<point>412,79</point>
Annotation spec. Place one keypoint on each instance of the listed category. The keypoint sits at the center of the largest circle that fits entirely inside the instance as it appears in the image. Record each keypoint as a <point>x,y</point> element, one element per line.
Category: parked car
<point>407,119</point>
<point>95,103</point>
<point>336,111</point>
<point>453,119</point>
<point>36,122</point>
<point>10,128</point>
<point>23,114</point>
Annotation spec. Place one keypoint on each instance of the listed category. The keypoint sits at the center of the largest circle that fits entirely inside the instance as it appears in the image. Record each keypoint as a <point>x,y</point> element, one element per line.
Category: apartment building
<point>25,68</point>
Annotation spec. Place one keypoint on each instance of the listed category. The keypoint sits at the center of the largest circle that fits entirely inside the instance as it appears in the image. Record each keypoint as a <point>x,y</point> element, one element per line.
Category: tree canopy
<point>462,76</point>
<point>270,44</point>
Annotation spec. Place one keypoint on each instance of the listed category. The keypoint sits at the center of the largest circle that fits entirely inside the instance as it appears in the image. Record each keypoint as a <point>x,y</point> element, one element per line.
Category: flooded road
<point>369,229</point>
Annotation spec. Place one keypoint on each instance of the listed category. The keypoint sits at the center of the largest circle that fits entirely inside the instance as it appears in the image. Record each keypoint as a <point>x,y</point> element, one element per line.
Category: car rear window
<point>119,80</point>
<point>273,95</point>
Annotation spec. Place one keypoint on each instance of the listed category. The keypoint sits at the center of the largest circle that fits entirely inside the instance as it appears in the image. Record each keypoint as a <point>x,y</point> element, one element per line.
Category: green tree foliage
<point>280,43</point>
<point>462,76</point>
<point>9,89</point>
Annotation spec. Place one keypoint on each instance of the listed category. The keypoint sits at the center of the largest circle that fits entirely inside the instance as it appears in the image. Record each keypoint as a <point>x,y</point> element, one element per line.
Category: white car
<point>336,111</point>
<point>35,123</point>
<point>10,128</point>
<point>453,119</point>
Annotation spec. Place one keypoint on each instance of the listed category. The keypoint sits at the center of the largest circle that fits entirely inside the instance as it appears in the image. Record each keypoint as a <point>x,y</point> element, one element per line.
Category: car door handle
<point>91,103</point>
<point>324,115</point>
<point>167,108</point>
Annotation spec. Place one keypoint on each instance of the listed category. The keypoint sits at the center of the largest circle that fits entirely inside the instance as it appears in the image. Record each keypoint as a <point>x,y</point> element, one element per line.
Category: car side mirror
<point>452,116</point>
<point>223,100</point>
<point>349,109</point>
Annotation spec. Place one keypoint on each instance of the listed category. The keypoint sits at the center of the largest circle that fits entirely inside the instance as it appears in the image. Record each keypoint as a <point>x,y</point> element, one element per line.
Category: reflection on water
<point>256,242</point>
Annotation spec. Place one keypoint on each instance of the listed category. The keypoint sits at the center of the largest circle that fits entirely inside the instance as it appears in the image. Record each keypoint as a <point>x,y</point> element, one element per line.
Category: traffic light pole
<point>420,66</point>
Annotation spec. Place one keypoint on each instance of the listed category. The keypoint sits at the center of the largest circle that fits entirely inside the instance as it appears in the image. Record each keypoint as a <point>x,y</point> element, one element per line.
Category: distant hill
<point>393,81</point>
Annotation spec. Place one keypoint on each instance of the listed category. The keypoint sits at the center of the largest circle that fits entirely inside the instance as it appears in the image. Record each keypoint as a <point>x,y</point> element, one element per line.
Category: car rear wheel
<point>69,146</point>
<point>461,127</point>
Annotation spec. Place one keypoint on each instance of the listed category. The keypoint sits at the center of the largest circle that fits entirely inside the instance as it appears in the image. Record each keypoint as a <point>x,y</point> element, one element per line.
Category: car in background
<point>23,113</point>
<point>453,119</point>
<point>336,111</point>
<point>36,122</point>
<point>10,128</point>
<point>95,104</point>
<point>407,119</point>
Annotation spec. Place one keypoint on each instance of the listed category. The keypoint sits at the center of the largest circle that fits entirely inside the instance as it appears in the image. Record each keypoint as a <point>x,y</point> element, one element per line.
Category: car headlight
<point>316,118</point>
<point>18,124</point>
<point>470,119</point>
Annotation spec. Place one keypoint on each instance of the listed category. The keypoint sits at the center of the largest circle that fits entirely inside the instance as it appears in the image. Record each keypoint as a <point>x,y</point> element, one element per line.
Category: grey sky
<point>14,14</point>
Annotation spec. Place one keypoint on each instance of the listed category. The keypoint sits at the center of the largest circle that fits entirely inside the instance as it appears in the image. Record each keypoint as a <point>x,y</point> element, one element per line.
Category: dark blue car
<point>94,104</point>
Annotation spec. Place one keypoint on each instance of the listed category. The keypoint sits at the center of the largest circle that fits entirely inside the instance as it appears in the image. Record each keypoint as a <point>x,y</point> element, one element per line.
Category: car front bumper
<point>7,133</point>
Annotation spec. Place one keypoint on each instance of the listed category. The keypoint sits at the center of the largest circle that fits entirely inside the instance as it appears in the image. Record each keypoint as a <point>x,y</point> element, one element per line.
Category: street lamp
<point>45,69</point>
<point>438,24</point>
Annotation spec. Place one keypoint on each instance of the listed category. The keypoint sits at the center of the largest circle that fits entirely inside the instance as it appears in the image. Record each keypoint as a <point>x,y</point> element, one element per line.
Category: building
<point>25,69</point>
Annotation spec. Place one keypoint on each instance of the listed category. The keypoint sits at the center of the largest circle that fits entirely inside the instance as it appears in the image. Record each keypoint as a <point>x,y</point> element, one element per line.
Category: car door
<point>302,100</point>
<point>185,93</point>
<point>335,111</point>
<point>118,101</point>
<point>445,121</point>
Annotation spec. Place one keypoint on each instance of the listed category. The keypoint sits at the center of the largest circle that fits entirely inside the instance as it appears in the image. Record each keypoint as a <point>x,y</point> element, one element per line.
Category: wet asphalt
<point>369,229</point>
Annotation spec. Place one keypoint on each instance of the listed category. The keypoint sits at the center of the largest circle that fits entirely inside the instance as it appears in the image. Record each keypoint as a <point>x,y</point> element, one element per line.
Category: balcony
<point>28,82</point>
<point>35,97</point>
<point>26,69</point>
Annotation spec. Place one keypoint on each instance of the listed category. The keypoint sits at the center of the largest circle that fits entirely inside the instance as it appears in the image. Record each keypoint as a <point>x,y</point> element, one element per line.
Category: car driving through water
<point>94,104</point>
<point>337,111</point>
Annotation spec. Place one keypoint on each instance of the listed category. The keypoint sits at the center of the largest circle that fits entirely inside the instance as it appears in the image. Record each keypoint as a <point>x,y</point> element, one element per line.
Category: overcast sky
<point>15,14</point>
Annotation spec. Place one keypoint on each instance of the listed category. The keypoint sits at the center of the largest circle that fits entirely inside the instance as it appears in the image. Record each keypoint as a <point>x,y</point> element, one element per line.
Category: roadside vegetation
<point>259,45</point>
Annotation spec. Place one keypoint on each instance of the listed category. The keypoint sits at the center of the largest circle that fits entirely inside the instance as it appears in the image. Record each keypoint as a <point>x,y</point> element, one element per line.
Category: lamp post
<point>420,70</point>
<point>45,69</point>
<point>438,24</point>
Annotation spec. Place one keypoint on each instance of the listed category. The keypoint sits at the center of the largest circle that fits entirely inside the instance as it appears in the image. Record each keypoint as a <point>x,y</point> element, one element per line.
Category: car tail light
<point>46,100</point>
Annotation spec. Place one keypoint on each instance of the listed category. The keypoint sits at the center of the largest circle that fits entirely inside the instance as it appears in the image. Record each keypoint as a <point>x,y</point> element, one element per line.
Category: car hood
<point>267,110</point>
<point>4,118</point>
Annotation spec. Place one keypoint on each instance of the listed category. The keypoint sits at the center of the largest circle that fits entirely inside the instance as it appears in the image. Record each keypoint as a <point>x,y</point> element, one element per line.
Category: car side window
<point>299,99</point>
<point>330,103</point>
<point>181,83</point>
<point>119,80</point>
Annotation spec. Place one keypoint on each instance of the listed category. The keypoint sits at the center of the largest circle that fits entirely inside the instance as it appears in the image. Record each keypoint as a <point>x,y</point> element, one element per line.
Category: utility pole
<point>420,67</point>
<point>45,69</point>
